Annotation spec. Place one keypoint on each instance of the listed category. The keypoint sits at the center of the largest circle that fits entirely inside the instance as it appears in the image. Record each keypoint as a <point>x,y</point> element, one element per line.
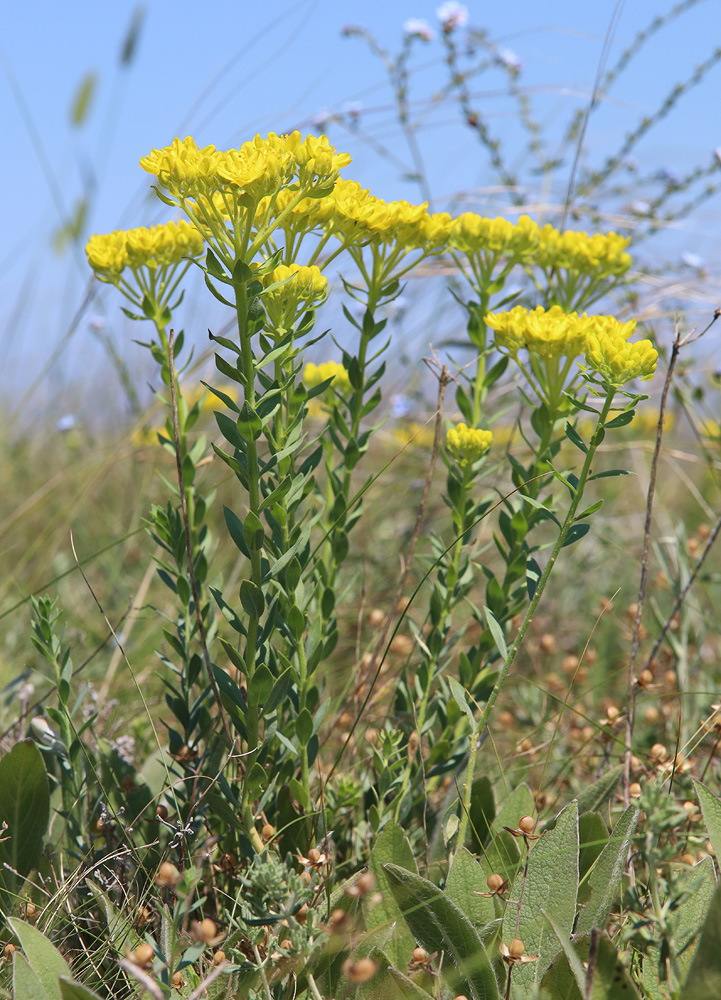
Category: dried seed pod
<point>167,875</point>
<point>527,824</point>
<point>361,970</point>
<point>143,954</point>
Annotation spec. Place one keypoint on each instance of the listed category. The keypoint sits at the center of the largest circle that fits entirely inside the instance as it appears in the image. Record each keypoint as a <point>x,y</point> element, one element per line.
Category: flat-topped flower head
<point>467,444</point>
<point>617,361</point>
<point>547,333</point>
<point>154,247</point>
<point>472,234</point>
<point>260,167</point>
<point>600,255</point>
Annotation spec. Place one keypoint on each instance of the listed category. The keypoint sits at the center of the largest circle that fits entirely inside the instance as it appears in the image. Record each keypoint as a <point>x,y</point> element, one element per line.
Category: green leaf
<point>605,877</point>
<point>541,507</point>
<point>711,809</point>
<point>277,693</point>
<point>251,597</point>
<point>439,925</point>
<point>465,881</point>
<point>45,960</point>
<point>690,913</point>
<point>575,534</point>
<point>296,622</point>
<point>549,883</point>
<point>25,807</point>
<point>502,856</point>
<point>566,979</point>
<point>249,423</point>
<point>621,420</point>
<point>481,812</point>
<point>260,685</point>
<point>304,727</point>
<point>573,435</point>
<point>26,983</point>
<point>71,990</point>
<point>704,975</point>
<point>609,473</point>
<point>593,797</point>
<point>459,696</point>
<point>589,510</point>
<point>391,846</point>
<point>497,633</point>
<point>592,838</point>
<point>253,531</point>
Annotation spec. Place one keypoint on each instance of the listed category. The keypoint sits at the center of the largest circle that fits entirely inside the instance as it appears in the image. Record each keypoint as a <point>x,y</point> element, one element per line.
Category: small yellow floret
<point>468,444</point>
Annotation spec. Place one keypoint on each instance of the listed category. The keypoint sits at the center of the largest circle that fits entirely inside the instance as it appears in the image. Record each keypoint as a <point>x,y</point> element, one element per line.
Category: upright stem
<point>248,360</point>
<point>528,617</point>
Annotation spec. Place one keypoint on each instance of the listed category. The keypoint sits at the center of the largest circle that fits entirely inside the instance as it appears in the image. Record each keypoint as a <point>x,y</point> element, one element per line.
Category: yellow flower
<point>157,246</point>
<point>471,234</point>
<point>712,430</point>
<point>300,285</point>
<point>414,434</point>
<point>315,374</point>
<point>259,168</point>
<point>601,255</point>
<point>618,361</point>
<point>468,444</point>
<point>546,333</point>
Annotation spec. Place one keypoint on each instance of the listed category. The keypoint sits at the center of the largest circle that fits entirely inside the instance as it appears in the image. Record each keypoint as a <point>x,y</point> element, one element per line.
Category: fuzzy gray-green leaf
<point>549,884</point>
<point>439,925</point>
<point>605,876</point>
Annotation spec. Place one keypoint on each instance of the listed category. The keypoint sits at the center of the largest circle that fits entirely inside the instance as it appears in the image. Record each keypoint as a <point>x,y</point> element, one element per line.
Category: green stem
<point>303,685</point>
<point>433,663</point>
<point>248,360</point>
<point>528,617</point>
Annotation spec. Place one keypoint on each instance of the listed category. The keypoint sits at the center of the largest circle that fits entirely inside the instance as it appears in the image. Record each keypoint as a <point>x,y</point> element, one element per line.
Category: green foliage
<point>348,780</point>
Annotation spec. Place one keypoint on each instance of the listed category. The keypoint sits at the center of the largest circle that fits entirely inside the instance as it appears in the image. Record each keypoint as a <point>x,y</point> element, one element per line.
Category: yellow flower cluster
<point>301,285</point>
<point>602,254</point>
<point>617,361</point>
<point>468,444</point>
<point>354,214</point>
<point>259,168</point>
<point>158,246</point>
<point>471,233</point>
<point>552,333</point>
<point>315,374</point>
<point>546,333</point>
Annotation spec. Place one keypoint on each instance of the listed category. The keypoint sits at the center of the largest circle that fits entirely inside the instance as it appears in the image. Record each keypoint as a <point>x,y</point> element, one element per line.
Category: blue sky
<point>224,71</point>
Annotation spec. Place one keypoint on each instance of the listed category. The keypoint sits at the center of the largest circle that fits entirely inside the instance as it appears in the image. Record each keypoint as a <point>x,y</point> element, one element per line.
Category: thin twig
<point>678,343</point>
<point>635,639</point>
<point>188,540</point>
<point>682,595</point>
